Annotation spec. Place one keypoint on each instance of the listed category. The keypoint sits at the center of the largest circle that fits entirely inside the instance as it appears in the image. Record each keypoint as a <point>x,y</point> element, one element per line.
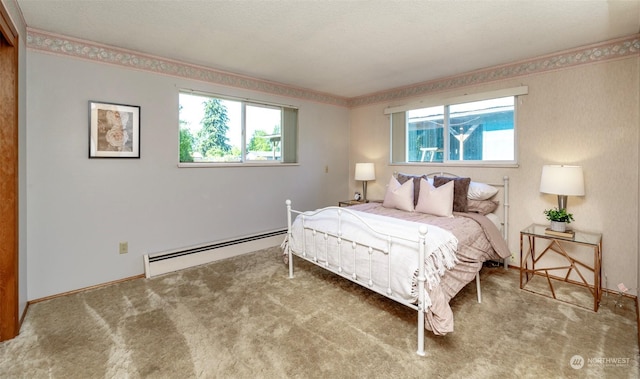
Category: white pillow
<point>481,191</point>
<point>399,196</point>
<point>435,201</point>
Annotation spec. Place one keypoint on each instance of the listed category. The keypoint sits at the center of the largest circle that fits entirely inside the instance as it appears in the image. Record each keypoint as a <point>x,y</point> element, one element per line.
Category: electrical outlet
<point>513,259</point>
<point>124,247</point>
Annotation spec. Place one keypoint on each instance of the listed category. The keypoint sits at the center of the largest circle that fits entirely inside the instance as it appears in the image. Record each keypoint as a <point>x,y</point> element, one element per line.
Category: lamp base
<point>562,201</point>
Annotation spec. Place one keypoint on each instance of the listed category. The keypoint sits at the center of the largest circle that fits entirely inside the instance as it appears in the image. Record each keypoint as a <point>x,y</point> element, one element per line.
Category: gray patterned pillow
<point>484,207</point>
<point>460,190</point>
<point>402,178</point>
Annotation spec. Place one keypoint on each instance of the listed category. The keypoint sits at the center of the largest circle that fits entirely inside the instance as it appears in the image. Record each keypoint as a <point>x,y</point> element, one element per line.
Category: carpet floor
<point>244,318</point>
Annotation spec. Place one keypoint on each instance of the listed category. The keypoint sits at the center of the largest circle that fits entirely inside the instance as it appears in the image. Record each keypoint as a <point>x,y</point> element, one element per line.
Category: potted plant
<point>559,219</point>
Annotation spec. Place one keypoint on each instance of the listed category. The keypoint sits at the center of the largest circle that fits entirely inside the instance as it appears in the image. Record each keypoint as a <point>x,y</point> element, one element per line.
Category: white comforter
<point>439,252</point>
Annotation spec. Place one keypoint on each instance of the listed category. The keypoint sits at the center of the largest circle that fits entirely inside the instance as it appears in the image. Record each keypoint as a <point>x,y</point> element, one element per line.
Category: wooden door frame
<point>9,237</point>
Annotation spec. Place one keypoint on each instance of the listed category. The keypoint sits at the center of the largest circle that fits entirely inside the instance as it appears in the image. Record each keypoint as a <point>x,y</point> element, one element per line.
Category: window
<point>227,130</point>
<point>479,130</point>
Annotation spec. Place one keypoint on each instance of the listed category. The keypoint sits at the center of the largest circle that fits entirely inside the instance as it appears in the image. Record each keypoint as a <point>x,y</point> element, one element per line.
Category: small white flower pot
<point>558,226</point>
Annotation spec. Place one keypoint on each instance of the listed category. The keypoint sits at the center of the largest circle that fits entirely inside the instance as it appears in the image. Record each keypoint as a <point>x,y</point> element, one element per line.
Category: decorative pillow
<point>402,178</point>
<point>460,190</point>
<point>481,191</point>
<point>484,207</point>
<point>399,196</point>
<point>435,201</point>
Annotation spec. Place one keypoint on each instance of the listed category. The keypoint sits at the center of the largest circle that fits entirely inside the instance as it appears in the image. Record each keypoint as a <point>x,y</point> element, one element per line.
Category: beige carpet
<point>243,318</point>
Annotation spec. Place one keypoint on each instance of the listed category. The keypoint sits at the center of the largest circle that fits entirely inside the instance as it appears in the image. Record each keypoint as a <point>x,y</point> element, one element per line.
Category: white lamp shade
<point>365,171</point>
<point>562,180</point>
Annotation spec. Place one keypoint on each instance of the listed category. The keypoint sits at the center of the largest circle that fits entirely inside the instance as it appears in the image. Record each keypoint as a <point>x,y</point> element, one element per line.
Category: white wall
<point>79,209</point>
<point>585,115</point>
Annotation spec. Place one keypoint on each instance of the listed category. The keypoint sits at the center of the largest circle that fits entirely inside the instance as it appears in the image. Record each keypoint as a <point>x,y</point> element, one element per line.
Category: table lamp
<point>365,172</point>
<point>563,181</point>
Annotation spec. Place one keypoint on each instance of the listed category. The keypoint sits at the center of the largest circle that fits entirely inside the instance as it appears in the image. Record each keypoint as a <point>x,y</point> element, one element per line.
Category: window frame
<point>397,113</point>
<point>286,113</point>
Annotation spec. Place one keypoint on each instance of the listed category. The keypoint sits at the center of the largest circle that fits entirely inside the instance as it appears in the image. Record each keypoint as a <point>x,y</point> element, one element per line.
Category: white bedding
<point>440,248</point>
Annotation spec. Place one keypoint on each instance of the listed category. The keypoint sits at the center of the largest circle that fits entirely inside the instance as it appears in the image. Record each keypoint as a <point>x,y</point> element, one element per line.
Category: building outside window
<point>469,130</point>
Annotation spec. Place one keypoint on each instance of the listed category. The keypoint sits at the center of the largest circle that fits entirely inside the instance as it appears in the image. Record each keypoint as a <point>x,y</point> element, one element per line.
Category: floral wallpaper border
<point>614,49</point>
<point>67,46</point>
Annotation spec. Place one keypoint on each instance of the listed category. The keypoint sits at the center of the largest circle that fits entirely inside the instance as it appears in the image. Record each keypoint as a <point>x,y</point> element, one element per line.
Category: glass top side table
<point>564,261</point>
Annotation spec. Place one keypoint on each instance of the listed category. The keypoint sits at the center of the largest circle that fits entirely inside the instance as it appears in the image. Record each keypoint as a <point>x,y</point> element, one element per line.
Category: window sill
<point>449,164</point>
<point>239,164</point>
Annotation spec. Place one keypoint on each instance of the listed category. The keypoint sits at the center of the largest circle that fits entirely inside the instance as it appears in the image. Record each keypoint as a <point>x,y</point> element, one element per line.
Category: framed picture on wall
<point>114,130</point>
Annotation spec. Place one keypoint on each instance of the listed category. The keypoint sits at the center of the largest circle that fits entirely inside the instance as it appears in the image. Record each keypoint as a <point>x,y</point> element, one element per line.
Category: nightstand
<point>348,203</point>
<point>557,256</point>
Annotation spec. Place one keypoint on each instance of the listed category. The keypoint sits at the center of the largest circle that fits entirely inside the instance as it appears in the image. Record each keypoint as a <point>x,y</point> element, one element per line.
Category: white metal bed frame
<point>368,282</point>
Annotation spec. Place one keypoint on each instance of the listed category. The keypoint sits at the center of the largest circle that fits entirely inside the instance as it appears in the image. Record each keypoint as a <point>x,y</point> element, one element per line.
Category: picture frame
<point>114,130</point>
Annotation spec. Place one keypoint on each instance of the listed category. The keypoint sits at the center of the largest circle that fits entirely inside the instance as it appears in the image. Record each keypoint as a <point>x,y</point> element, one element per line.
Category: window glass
<point>474,132</point>
<point>425,137</point>
<point>263,132</point>
<point>482,130</point>
<point>218,130</point>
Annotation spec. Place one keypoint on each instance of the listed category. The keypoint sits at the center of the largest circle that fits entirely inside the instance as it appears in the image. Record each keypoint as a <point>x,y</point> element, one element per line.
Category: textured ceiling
<point>343,48</point>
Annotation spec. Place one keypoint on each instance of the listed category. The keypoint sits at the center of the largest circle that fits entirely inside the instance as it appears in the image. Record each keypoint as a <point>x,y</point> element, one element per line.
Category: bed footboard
<point>348,264</point>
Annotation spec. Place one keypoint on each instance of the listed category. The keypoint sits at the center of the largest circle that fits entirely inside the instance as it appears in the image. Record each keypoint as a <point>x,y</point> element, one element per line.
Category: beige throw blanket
<point>479,240</point>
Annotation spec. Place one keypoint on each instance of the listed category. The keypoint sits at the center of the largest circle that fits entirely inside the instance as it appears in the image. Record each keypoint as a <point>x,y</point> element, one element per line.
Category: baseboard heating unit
<point>179,259</point>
